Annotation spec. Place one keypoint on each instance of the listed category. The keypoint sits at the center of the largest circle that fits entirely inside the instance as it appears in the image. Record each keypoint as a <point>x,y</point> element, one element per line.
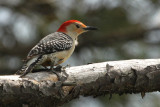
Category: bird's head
<point>74,28</point>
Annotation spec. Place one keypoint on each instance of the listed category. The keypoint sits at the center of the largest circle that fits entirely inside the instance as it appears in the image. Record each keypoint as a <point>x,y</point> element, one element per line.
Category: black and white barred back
<point>52,43</point>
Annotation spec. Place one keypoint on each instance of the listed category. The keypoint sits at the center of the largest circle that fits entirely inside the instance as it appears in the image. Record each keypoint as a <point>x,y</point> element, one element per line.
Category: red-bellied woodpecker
<point>55,48</point>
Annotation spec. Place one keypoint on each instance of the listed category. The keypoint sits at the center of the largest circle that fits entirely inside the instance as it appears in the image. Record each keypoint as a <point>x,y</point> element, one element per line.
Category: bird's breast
<point>58,57</point>
<point>64,55</point>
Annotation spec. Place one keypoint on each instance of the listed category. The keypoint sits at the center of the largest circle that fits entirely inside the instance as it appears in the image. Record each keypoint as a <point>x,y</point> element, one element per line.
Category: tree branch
<point>114,77</point>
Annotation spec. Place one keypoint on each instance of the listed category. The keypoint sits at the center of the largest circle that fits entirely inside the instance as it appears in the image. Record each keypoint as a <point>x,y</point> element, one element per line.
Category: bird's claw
<point>61,68</point>
<point>60,72</point>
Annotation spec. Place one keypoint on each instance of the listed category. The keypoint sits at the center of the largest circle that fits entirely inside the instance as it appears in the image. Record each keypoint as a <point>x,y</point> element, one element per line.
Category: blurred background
<point>128,29</point>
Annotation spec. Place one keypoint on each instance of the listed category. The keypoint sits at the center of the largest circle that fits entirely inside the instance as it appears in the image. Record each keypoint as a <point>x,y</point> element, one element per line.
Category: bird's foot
<point>59,76</point>
<point>61,68</point>
<point>62,76</point>
<point>60,72</point>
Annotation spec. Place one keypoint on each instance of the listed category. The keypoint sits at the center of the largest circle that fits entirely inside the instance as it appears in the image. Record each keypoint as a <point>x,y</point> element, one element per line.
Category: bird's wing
<point>52,43</point>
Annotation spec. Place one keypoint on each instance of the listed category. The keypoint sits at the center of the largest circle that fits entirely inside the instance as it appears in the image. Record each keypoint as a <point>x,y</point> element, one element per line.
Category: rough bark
<point>114,77</point>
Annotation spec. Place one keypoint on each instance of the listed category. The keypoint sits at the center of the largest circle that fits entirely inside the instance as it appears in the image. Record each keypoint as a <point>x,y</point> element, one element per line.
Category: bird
<point>55,48</point>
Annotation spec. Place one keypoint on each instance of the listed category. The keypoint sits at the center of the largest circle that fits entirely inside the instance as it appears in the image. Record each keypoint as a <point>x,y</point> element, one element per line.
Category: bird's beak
<point>90,28</point>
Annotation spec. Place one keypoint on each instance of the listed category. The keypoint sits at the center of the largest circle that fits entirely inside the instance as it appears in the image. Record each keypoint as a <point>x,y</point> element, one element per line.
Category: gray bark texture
<point>114,77</point>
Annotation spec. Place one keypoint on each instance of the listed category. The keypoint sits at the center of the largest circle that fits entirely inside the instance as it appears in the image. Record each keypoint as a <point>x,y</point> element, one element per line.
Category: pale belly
<point>58,57</point>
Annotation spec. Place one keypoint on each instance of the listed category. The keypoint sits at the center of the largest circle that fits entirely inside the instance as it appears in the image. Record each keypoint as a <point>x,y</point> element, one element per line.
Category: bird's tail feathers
<point>22,70</point>
<point>28,68</point>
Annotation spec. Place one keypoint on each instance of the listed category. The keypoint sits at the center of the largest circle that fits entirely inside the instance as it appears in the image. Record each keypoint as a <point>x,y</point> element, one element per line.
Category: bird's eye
<point>77,26</point>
